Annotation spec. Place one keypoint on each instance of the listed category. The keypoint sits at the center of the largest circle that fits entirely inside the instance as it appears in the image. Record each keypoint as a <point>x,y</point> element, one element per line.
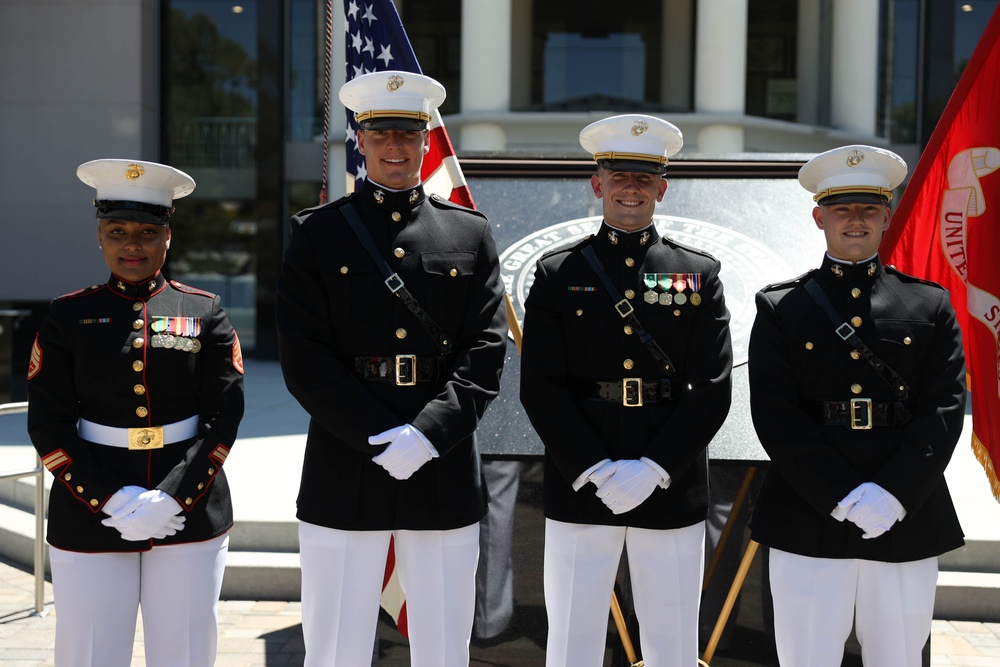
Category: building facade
<point>234,92</point>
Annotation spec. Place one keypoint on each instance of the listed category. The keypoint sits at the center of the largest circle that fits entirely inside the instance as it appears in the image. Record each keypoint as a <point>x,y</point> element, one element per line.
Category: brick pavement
<point>268,633</point>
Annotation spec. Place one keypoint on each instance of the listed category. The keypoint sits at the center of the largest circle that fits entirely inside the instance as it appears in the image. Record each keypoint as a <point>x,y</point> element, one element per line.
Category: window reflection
<point>210,131</point>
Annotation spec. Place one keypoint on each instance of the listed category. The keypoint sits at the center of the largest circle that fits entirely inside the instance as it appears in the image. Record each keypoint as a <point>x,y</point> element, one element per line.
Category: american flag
<point>376,41</point>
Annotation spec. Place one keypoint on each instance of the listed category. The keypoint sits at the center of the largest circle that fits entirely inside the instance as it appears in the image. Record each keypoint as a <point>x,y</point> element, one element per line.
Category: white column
<point>486,30</point>
<point>854,67</point>
<point>720,72</point>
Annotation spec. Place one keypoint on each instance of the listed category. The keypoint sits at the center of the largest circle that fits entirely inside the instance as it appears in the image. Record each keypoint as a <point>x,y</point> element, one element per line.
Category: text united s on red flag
<point>947,229</point>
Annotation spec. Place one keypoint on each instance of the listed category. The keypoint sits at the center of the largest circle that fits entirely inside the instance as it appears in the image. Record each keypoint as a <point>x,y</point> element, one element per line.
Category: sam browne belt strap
<point>394,282</point>
<point>627,313</point>
<point>846,332</point>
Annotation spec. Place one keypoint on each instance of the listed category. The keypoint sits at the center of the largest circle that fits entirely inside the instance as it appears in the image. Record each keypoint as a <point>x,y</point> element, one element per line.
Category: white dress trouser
<point>817,600</point>
<point>342,573</point>
<point>98,595</point>
<point>665,567</point>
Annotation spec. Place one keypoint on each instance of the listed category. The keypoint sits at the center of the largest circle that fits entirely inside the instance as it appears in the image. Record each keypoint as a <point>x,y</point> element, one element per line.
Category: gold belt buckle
<point>862,421</point>
<point>150,437</point>
<point>406,370</point>
<point>632,392</point>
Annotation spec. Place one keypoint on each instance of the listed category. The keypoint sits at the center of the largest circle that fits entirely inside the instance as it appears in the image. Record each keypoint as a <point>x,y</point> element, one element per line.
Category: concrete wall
<point>80,82</point>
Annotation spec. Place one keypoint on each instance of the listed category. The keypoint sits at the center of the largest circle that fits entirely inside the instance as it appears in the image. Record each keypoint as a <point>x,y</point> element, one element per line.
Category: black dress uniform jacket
<point>93,359</point>
<point>797,363</point>
<point>573,337</point>
<point>334,307</point>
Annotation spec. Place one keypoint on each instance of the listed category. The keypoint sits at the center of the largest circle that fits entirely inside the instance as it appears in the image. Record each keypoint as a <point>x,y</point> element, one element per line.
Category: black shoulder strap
<point>393,280</point>
<point>627,313</point>
<point>847,333</point>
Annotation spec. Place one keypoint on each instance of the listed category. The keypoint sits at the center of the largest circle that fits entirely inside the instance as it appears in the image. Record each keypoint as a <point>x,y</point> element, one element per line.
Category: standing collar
<point>838,270</point>
<point>141,291</point>
<point>622,240</point>
<point>390,200</point>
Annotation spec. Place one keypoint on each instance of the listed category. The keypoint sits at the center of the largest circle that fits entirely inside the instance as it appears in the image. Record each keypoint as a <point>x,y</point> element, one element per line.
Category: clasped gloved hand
<point>123,501</point>
<point>153,514</point>
<point>632,482</point>
<point>603,473</point>
<point>408,450</point>
<point>876,512</point>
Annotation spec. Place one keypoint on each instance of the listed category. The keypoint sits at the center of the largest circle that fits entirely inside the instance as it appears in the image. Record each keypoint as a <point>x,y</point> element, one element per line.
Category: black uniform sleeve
<point>476,361</point>
<point>53,412</point>
<point>569,439</point>
<point>314,375</point>
<point>790,436</point>
<point>938,414</point>
<point>221,409</point>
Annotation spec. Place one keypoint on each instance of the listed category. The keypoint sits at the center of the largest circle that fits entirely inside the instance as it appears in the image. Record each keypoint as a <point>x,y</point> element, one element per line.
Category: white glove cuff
<point>426,443</point>
<point>664,475</point>
<point>896,505</point>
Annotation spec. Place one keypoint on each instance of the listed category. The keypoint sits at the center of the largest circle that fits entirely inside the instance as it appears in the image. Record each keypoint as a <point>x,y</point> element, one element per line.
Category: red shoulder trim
<point>187,289</point>
<point>82,292</point>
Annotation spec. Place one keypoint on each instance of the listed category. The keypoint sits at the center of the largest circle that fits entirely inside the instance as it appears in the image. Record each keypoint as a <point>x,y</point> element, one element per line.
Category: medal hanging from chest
<point>176,333</point>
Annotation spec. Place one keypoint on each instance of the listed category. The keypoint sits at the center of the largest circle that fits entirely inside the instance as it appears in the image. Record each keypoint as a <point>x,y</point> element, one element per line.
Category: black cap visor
<point>854,198</point>
<point>633,165</point>
<point>133,211</point>
<point>409,124</point>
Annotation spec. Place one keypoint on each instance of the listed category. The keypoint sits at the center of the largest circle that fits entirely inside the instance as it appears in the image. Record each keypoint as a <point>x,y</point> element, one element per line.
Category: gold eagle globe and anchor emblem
<point>639,127</point>
<point>395,83</point>
<point>854,158</point>
<point>134,171</point>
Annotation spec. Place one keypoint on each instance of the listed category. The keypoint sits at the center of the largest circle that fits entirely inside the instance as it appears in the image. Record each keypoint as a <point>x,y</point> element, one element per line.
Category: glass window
<point>585,57</point>
<point>306,35</point>
<point>210,131</point>
<point>771,69</point>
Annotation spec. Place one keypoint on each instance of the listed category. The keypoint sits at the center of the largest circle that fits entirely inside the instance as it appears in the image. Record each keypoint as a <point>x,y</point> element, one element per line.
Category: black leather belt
<point>403,369</point>
<point>630,392</point>
<point>859,414</point>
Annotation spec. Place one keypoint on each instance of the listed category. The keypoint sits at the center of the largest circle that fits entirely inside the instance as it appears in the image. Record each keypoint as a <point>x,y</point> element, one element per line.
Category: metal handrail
<point>39,474</point>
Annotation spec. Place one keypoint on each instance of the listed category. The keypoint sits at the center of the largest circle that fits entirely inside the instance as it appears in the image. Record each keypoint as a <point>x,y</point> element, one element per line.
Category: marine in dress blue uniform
<point>854,505</point>
<point>135,393</point>
<point>394,405</point>
<point>626,432</point>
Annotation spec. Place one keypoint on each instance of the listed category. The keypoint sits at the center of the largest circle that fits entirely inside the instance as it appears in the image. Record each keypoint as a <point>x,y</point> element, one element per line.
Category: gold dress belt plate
<point>149,437</point>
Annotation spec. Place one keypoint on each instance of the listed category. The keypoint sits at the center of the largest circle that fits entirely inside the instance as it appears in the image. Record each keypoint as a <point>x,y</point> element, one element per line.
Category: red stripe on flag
<point>947,229</point>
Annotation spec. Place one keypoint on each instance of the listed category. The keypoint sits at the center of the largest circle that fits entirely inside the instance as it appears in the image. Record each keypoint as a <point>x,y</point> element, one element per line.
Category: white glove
<point>847,504</point>
<point>603,472</point>
<point>155,517</point>
<point>629,486</point>
<point>875,512</point>
<point>123,501</point>
<point>172,526</point>
<point>408,450</point>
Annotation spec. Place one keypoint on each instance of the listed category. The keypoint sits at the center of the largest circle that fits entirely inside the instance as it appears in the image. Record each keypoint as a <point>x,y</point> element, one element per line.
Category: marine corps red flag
<point>947,229</point>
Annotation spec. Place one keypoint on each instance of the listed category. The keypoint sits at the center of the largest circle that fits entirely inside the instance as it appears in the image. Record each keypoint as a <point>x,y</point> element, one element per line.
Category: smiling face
<point>853,231</point>
<point>393,157</point>
<point>134,251</point>
<point>629,197</point>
